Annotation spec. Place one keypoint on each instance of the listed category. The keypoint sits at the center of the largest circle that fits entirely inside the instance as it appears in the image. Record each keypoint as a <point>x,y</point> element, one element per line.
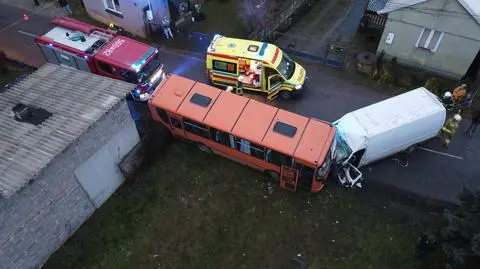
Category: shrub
<point>460,235</point>
<point>434,85</point>
<point>386,76</point>
<point>3,62</point>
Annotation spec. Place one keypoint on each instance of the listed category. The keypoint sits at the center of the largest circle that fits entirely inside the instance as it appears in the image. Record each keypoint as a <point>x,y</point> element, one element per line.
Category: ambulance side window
<point>224,66</point>
<point>270,72</point>
<point>105,67</point>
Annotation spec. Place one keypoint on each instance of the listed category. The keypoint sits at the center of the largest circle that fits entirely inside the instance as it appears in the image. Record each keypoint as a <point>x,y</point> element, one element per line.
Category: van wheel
<point>411,149</point>
<point>285,95</point>
<point>204,148</point>
<point>273,175</point>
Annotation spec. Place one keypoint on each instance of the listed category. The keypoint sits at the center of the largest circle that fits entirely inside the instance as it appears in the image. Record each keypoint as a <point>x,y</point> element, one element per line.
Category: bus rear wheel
<point>204,148</point>
<point>285,95</point>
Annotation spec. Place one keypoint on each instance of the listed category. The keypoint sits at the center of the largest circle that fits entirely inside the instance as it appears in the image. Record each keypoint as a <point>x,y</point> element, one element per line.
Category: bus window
<point>220,137</point>
<point>196,128</point>
<point>163,115</point>
<point>277,158</point>
<point>250,148</point>
<point>176,123</point>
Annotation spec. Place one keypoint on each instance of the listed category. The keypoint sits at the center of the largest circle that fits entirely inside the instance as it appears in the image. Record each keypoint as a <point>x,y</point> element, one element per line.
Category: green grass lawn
<point>190,210</point>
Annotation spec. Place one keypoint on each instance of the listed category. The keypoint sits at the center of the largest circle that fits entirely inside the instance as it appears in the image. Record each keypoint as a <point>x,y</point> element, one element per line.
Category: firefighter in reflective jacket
<point>449,129</point>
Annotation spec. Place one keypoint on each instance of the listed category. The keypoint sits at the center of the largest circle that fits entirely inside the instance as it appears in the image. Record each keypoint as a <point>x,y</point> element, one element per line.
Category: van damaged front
<point>350,143</point>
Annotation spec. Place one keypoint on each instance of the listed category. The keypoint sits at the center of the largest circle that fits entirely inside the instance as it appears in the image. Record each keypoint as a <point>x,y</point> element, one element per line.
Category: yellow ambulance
<point>253,65</point>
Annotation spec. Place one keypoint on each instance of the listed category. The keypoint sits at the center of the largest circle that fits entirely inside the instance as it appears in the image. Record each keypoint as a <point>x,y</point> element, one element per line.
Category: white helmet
<point>447,95</point>
<point>457,117</point>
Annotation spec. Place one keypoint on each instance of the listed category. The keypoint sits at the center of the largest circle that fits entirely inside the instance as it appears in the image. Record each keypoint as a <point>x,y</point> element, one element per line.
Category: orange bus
<point>293,149</point>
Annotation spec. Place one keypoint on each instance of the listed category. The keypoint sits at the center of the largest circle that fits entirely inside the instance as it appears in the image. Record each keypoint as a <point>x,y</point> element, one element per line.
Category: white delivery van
<point>385,128</point>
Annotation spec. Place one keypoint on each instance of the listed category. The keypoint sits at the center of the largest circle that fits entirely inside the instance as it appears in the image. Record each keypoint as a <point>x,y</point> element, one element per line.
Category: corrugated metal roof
<point>376,5</point>
<point>76,100</point>
<point>393,5</point>
<point>472,6</point>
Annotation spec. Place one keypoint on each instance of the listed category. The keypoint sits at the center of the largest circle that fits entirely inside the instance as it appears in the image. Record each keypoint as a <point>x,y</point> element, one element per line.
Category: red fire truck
<point>85,47</point>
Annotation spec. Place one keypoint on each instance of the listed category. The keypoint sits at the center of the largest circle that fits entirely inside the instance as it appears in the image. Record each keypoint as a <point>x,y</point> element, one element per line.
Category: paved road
<point>329,95</point>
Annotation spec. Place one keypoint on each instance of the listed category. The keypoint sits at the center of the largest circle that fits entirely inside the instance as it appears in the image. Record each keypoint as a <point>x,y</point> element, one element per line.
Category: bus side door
<point>289,178</point>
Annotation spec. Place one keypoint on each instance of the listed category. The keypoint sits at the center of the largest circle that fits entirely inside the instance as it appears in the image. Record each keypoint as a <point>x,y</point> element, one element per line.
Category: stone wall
<point>37,220</point>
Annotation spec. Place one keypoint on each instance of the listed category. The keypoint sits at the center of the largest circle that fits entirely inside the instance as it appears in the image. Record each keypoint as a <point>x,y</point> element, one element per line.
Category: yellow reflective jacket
<point>451,126</point>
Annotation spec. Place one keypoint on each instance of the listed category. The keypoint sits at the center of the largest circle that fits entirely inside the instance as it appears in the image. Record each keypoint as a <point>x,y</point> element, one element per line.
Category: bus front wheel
<point>204,148</point>
<point>273,175</point>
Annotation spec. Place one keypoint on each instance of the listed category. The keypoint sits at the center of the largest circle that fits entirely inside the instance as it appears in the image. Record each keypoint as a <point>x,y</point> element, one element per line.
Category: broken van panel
<point>386,128</point>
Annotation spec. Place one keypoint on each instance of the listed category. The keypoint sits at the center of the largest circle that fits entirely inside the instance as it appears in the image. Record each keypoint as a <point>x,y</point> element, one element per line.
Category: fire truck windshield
<point>147,71</point>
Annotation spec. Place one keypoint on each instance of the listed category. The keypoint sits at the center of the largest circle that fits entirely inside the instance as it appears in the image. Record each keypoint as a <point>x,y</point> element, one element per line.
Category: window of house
<point>429,39</point>
<point>277,158</point>
<point>163,115</point>
<point>250,148</point>
<point>196,128</point>
<point>225,67</point>
<point>220,137</point>
<point>113,5</point>
<point>105,67</point>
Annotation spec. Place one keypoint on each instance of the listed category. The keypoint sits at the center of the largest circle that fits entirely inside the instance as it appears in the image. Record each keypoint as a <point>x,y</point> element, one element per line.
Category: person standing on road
<point>459,93</point>
<point>449,129</point>
<point>166,27</point>
<point>36,2</point>
<point>66,7</point>
<point>475,122</point>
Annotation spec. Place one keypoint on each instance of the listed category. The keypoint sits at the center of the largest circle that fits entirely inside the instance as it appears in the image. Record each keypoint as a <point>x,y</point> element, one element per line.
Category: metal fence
<point>288,9</point>
<point>331,51</point>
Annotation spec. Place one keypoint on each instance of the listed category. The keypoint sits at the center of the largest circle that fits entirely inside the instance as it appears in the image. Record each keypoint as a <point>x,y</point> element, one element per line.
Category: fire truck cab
<point>104,52</point>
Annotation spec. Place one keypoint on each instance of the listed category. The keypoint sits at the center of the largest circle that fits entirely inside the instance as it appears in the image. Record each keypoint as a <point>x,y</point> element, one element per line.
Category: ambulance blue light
<point>262,49</point>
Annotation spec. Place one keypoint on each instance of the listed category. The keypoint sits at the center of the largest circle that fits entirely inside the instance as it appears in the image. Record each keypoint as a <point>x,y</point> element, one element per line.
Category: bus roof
<point>303,138</point>
<point>250,49</point>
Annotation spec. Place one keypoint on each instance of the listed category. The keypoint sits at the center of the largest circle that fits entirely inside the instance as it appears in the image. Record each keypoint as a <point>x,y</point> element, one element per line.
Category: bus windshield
<point>286,66</point>
<point>327,162</point>
<point>148,69</point>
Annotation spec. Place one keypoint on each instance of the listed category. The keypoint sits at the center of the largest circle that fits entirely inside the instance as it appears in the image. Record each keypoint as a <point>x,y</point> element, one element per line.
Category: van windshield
<point>343,150</point>
<point>286,66</point>
<point>148,69</point>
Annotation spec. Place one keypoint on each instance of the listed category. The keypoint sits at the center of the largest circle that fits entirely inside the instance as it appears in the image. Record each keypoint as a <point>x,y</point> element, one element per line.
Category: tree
<point>460,235</point>
<point>256,14</point>
<point>3,62</point>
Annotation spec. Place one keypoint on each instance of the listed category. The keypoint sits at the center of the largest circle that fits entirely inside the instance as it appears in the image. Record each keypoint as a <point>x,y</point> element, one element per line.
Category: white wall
<point>132,15</point>
<point>457,49</point>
